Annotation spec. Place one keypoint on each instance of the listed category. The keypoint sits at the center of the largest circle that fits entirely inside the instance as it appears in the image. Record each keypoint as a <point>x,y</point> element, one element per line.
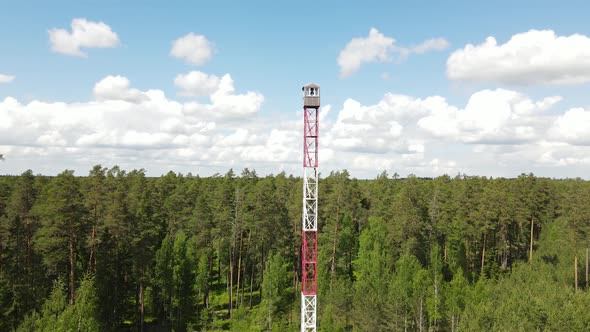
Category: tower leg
<point>309,236</point>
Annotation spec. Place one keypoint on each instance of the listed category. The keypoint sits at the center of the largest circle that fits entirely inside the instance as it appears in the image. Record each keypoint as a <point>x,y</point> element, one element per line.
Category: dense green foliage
<point>118,250</point>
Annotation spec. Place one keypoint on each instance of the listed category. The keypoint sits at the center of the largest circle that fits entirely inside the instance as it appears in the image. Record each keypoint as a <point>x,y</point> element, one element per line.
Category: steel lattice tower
<point>309,236</point>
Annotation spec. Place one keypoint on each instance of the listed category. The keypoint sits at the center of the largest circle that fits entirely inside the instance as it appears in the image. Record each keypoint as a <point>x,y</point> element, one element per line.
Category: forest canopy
<point>117,250</point>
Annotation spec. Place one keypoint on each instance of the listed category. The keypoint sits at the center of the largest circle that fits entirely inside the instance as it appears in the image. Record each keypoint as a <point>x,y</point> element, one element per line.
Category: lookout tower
<point>309,234</point>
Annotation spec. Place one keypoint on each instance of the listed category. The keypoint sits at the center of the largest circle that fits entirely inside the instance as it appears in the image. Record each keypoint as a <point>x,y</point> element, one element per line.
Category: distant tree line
<point>117,250</point>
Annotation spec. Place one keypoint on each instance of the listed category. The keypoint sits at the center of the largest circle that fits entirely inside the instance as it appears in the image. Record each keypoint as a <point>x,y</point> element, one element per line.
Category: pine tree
<point>95,192</point>
<point>17,229</point>
<point>63,226</point>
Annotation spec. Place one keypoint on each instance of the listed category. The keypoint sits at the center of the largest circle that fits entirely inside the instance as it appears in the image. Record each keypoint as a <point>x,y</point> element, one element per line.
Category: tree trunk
<point>206,295</point>
<point>435,299</point>
<point>333,259</point>
<point>92,255</point>
<point>92,258</point>
<point>141,304</point>
<point>420,321</point>
<point>586,266</point>
<point>576,271</point>
<point>235,229</point>
<point>28,256</point>
<point>506,252</point>
<point>251,284</point>
<point>467,257</point>
<point>117,273</point>
<point>72,267</point>
<point>231,285</point>
<point>245,266</point>
<point>239,270</point>
<point>28,268</point>
<point>219,268</point>
<point>531,245</point>
<point>483,253</point>
<point>406,322</point>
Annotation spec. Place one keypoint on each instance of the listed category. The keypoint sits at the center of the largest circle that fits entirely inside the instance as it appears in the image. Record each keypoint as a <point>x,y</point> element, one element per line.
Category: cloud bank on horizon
<point>149,128</point>
<point>210,125</point>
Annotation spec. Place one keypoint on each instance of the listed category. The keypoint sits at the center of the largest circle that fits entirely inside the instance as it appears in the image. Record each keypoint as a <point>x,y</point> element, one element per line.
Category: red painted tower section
<point>310,262</point>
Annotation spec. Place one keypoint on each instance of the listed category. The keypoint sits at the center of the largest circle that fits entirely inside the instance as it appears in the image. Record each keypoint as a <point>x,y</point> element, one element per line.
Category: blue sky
<point>270,49</point>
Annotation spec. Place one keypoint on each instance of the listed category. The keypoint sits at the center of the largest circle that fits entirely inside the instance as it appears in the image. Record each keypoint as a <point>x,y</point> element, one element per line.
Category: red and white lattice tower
<point>309,235</point>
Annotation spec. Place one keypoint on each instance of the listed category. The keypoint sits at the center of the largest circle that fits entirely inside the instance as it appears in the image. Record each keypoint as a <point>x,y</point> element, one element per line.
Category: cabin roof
<point>311,85</point>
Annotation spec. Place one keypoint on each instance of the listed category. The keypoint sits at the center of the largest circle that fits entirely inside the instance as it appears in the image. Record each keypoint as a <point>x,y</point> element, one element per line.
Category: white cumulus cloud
<point>117,88</point>
<point>377,47</point>
<point>572,127</point>
<point>196,84</point>
<point>529,58</point>
<point>386,129</point>
<point>6,78</point>
<point>192,48</point>
<point>491,116</point>
<point>84,34</point>
<point>116,127</point>
<point>359,128</point>
<point>225,103</point>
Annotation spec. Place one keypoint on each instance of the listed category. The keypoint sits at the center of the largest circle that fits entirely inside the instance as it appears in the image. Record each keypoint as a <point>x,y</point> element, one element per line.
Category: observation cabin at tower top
<point>311,95</point>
